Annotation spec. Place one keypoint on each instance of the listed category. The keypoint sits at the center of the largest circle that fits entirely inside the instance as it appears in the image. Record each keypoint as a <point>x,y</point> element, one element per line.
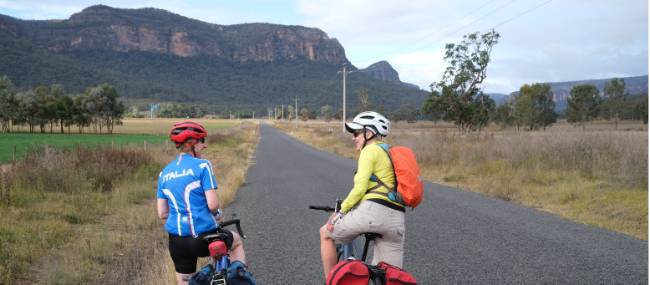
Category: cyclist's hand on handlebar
<point>332,220</point>
<point>218,215</point>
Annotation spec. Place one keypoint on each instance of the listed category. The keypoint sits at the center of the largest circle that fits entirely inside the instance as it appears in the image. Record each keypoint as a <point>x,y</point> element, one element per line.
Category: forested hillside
<point>154,56</point>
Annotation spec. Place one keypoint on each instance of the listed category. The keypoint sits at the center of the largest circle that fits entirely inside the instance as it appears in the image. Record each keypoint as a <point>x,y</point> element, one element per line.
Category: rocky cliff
<point>159,31</point>
<point>156,56</point>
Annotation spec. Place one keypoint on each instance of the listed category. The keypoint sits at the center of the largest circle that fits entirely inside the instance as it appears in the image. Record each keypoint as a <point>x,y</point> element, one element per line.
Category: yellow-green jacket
<point>372,160</point>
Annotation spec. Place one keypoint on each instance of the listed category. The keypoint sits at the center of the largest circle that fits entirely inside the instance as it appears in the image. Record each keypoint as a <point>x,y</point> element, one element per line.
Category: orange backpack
<point>409,187</point>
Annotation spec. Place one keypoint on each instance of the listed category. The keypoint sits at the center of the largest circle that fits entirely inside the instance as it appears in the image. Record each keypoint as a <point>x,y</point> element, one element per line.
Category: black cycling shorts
<point>185,251</point>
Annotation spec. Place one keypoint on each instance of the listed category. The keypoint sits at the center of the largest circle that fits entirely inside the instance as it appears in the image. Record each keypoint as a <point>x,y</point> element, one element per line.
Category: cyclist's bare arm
<point>213,200</point>
<point>163,208</point>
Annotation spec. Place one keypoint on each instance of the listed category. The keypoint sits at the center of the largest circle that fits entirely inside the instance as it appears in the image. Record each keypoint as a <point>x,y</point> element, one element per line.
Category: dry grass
<point>162,125</point>
<point>74,225</point>
<point>597,176</point>
<point>52,194</point>
<point>157,126</point>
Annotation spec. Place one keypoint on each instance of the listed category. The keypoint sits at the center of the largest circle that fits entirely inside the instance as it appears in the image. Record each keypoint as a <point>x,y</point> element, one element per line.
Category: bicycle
<point>217,270</point>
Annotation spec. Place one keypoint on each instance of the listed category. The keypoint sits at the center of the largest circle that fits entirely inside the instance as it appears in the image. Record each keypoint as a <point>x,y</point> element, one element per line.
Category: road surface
<point>453,237</point>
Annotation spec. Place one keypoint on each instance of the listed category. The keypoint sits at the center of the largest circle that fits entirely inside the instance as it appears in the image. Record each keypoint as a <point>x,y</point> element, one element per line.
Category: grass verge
<point>88,215</point>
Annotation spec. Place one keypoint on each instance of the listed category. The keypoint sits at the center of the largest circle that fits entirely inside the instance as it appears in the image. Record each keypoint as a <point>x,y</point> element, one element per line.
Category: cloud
<point>557,41</point>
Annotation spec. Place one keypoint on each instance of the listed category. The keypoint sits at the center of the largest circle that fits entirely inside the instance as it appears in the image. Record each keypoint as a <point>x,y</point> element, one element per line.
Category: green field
<point>132,131</point>
<point>24,142</point>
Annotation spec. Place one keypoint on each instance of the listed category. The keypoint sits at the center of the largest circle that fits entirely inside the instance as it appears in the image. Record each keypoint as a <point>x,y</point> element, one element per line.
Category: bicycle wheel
<point>353,249</point>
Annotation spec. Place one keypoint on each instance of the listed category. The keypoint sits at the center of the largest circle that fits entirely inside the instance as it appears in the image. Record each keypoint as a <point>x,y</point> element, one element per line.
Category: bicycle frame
<point>345,251</point>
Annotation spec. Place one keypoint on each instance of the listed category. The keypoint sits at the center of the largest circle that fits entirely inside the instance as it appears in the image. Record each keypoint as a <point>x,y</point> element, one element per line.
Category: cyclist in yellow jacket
<point>367,207</point>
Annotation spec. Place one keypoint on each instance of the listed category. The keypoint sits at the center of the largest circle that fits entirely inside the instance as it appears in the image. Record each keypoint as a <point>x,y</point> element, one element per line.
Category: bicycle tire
<point>357,250</point>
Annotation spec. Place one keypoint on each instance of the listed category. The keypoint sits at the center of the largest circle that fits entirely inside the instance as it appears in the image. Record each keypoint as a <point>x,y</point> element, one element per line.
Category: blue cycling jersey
<point>183,183</point>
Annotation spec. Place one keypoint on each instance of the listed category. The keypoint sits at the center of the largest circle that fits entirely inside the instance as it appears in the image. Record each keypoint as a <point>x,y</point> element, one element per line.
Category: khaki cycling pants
<point>371,217</point>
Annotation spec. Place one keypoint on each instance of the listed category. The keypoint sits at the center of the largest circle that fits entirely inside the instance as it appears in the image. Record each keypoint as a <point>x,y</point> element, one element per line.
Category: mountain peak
<point>103,13</point>
<point>382,70</point>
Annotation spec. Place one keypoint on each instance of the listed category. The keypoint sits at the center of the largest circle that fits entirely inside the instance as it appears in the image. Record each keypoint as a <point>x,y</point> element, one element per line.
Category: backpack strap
<point>385,147</point>
<point>380,183</point>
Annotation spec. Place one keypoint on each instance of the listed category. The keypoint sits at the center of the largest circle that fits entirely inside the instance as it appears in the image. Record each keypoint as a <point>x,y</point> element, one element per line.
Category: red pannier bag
<point>349,272</point>
<point>396,276</point>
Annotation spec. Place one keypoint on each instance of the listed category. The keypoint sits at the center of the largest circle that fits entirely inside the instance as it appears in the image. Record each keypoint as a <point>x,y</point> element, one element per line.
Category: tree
<point>182,111</point>
<point>8,104</point>
<point>82,116</point>
<point>534,106</point>
<point>405,112</point>
<point>306,114</point>
<point>338,115</point>
<point>640,110</point>
<point>614,91</point>
<point>504,114</point>
<point>44,107</point>
<point>29,109</point>
<point>458,93</point>
<point>290,112</point>
<point>110,110</point>
<point>327,112</point>
<point>58,108</point>
<point>582,104</point>
<point>434,107</point>
<point>64,111</point>
<point>364,100</point>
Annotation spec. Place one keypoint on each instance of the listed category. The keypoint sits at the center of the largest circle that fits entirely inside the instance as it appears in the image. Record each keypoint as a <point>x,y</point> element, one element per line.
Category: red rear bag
<point>349,272</point>
<point>396,276</point>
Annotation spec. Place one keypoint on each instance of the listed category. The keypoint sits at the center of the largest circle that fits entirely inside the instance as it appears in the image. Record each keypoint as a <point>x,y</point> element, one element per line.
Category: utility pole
<point>282,112</point>
<point>343,114</point>
<point>253,115</point>
<point>296,110</point>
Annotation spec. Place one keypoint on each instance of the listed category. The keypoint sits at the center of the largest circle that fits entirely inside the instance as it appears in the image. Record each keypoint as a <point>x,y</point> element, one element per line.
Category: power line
<point>465,26</point>
<point>479,19</point>
<point>523,13</point>
<point>447,25</point>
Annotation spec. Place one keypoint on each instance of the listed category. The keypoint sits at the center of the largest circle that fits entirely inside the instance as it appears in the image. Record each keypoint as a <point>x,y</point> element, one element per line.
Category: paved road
<point>454,237</point>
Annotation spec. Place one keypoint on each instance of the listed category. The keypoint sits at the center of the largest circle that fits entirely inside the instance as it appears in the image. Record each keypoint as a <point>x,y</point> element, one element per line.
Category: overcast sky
<point>541,40</point>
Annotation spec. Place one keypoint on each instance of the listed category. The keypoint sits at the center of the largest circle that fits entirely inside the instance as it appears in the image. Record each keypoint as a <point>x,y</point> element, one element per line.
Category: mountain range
<point>634,86</point>
<point>152,55</point>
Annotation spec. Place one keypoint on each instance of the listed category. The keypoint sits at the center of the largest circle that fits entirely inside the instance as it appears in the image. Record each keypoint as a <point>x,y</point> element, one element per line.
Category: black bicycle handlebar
<point>235,222</point>
<point>328,208</point>
<point>322,208</point>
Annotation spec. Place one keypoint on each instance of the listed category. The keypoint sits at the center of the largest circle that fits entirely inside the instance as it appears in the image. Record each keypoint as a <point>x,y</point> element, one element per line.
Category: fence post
<point>145,145</point>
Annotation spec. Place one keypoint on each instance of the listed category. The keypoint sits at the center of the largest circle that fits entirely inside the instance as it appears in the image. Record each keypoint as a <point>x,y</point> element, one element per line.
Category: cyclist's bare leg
<point>237,249</point>
<point>327,250</point>
<point>182,278</point>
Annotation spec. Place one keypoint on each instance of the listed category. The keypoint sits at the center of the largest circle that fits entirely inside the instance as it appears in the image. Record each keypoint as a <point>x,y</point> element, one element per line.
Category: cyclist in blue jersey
<point>187,200</point>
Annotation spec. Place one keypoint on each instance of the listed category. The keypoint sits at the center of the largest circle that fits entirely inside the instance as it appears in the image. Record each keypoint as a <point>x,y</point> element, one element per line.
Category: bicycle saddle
<point>372,236</point>
<point>216,244</point>
<point>215,237</point>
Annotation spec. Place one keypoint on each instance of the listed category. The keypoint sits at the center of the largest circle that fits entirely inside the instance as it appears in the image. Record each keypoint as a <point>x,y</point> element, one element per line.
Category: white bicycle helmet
<point>369,119</point>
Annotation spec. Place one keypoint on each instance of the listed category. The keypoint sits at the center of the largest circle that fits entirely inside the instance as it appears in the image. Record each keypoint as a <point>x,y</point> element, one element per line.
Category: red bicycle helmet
<point>183,131</point>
